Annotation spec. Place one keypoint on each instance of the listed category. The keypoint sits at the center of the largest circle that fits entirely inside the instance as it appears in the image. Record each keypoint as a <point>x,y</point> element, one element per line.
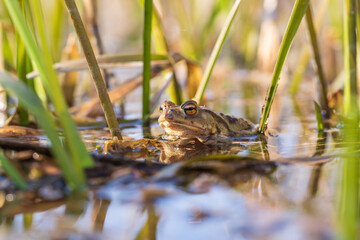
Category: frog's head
<point>186,120</point>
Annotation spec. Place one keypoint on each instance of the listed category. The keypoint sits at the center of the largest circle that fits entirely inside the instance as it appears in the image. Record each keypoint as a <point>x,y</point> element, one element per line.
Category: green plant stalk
<point>51,83</point>
<point>7,55</point>
<point>299,72</point>
<point>49,78</point>
<point>209,26</point>
<point>12,172</point>
<point>319,118</point>
<point>292,27</point>
<point>27,221</point>
<point>162,46</point>
<point>94,69</point>
<point>316,51</point>
<point>350,84</point>
<point>185,41</point>
<point>358,22</point>
<point>74,177</point>
<point>349,197</point>
<point>301,66</point>
<point>21,68</point>
<point>216,51</point>
<point>36,84</point>
<point>39,25</point>
<point>57,24</point>
<point>349,193</point>
<point>147,59</point>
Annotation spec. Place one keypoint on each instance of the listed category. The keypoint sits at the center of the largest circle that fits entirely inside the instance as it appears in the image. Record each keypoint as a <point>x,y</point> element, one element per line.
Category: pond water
<point>289,192</point>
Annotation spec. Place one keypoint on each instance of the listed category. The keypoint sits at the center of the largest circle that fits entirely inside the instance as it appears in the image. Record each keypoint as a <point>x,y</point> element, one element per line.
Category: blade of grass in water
<point>316,52</point>
<point>292,27</point>
<point>74,176</point>
<point>43,64</point>
<point>301,66</point>
<point>94,69</point>
<point>12,172</point>
<point>349,192</point>
<point>319,119</point>
<point>146,61</point>
<point>216,51</point>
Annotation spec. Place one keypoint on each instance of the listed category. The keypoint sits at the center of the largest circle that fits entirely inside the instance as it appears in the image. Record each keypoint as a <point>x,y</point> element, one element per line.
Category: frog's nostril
<point>169,116</point>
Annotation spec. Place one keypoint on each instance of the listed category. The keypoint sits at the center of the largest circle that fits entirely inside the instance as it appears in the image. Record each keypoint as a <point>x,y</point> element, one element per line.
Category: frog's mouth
<point>181,129</point>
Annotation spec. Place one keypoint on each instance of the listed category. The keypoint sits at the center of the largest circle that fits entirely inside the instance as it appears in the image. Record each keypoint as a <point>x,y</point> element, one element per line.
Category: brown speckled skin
<point>205,123</point>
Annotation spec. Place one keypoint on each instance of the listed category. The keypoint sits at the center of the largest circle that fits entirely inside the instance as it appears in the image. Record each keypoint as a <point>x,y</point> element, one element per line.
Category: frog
<point>189,120</point>
<point>194,131</point>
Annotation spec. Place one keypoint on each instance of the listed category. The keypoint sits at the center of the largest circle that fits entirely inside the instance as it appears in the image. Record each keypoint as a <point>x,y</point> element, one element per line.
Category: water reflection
<point>246,203</point>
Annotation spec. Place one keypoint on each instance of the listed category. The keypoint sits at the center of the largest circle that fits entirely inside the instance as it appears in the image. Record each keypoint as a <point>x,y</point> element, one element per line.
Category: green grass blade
<point>51,84</point>
<point>292,27</point>
<point>21,68</point>
<point>57,25</point>
<point>7,60</point>
<point>316,52</point>
<point>348,208</point>
<point>147,58</point>
<point>299,72</point>
<point>12,172</point>
<point>74,175</point>
<point>94,70</point>
<point>216,51</point>
<point>350,84</point>
<point>301,66</point>
<point>210,25</point>
<point>349,193</point>
<point>319,118</point>
<point>39,25</point>
<point>161,45</point>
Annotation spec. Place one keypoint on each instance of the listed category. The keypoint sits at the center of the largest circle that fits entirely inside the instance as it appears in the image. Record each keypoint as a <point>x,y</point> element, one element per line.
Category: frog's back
<point>230,126</point>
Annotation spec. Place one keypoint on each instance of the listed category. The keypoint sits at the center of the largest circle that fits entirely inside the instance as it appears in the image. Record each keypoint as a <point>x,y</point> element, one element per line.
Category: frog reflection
<point>172,151</point>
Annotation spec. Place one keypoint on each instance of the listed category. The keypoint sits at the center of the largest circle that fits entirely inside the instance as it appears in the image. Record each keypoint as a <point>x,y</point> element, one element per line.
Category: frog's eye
<point>161,110</point>
<point>190,109</point>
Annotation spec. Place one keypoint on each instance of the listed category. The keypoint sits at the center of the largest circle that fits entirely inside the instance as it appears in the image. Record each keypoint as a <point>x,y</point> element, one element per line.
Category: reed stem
<point>349,195</point>
<point>94,69</point>
<point>148,9</point>
<point>316,51</point>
